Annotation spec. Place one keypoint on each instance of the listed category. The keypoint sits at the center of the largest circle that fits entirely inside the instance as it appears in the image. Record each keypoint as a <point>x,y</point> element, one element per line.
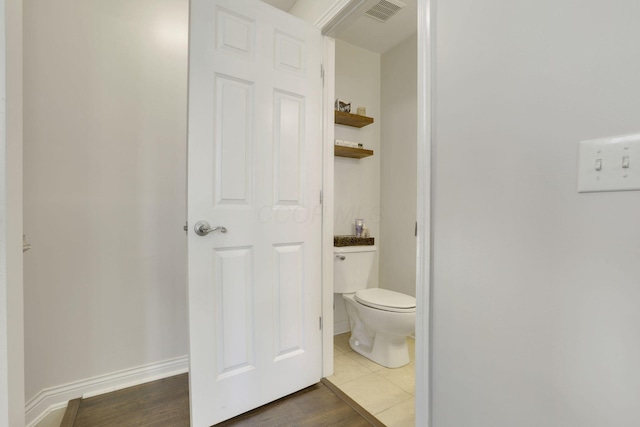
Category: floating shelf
<point>343,118</point>
<point>354,153</point>
<point>340,241</point>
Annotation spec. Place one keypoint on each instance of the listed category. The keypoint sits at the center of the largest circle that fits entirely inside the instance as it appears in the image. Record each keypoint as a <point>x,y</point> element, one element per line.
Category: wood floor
<point>166,403</point>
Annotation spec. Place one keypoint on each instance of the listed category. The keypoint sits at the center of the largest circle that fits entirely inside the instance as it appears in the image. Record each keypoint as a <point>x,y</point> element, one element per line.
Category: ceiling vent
<point>384,10</point>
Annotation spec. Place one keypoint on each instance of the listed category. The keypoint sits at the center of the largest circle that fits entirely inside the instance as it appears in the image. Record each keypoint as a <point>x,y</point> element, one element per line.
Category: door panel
<point>233,141</point>
<point>288,149</point>
<point>255,168</point>
<point>289,299</point>
<point>234,315</point>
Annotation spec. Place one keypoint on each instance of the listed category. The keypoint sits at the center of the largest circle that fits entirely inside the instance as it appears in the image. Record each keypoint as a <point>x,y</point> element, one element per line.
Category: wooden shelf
<point>353,153</point>
<point>354,120</point>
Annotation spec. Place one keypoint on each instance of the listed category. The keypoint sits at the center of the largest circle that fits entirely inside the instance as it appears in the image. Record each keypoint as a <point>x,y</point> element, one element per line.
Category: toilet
<point>380,319</point>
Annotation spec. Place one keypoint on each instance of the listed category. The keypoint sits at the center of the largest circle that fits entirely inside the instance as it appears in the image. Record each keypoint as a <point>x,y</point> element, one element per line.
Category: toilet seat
<point>383,299</point>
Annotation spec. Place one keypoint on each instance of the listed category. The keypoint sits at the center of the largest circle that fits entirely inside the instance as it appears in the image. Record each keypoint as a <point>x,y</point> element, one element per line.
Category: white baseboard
<point>341,327</point>
<point>57,397</point>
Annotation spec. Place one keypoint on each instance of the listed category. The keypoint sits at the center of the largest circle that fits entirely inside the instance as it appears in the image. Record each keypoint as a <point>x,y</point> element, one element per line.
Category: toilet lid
<point>383,299</point>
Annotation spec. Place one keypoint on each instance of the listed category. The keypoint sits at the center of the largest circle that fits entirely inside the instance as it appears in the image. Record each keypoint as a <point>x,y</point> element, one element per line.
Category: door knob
<point>202,228</point>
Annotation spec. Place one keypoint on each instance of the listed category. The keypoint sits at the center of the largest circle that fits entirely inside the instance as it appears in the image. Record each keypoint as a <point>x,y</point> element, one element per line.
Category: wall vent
<point>384,10</point>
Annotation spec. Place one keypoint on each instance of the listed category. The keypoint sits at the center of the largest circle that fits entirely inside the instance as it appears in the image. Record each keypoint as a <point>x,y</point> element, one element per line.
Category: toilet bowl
<point>380,319</point>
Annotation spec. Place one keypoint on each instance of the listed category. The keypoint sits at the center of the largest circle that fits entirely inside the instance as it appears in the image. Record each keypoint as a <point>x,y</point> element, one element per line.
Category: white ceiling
<point>281,4</point>
<point>370,34</point>
<point>379,37</point>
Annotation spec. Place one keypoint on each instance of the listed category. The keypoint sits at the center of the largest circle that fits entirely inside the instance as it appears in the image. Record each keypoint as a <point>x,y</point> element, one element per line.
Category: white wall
<point>105,187</point>
<point>357,181</point>
<point>536,288</point>
<point>398,180</point>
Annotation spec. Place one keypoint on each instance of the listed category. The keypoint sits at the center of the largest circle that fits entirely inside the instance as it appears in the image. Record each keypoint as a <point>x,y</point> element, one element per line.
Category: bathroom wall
<point>104,187</point>
<point>357,181</point>
<point>535,287</point>
<point>398,125</point>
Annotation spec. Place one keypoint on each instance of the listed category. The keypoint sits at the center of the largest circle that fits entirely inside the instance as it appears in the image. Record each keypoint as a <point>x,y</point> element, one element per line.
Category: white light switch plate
<point>601,164</point>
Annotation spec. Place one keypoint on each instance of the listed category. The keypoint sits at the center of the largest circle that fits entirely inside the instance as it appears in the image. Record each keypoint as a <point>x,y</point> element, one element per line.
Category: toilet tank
<point>352,266</point>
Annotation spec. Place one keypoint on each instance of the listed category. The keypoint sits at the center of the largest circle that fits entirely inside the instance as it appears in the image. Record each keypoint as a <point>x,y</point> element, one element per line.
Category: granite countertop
<point>352,241</point>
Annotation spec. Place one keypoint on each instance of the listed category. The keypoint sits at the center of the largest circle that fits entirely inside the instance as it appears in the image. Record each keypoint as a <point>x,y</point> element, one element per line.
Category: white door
<point>254,168</point>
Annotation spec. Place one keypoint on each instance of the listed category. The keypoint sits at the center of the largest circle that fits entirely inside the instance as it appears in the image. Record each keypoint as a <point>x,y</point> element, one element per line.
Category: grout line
<point>396,405</point>
<point>353,380</point>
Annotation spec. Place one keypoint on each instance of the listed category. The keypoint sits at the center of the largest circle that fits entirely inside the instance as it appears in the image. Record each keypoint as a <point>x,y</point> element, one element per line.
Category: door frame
<point>328,95</point>
<point>424,254</point>
<point>12,385</point>
<point>330,23</point>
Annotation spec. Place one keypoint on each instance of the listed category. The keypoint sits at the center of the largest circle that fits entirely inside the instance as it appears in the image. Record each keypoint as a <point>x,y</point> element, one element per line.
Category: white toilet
<point>380,319</point>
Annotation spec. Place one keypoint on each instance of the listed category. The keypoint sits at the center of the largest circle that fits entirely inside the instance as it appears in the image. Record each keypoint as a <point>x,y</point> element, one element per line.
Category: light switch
<point>625,162</point>
<point>606,164</point>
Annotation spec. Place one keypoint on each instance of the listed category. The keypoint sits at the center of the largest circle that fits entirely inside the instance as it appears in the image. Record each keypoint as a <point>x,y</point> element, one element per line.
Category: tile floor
<point>386,393</point>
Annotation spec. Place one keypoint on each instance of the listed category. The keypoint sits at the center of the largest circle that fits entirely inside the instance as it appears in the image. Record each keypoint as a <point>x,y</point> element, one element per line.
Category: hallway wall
<point>535,287</point>
<point>105,187</point>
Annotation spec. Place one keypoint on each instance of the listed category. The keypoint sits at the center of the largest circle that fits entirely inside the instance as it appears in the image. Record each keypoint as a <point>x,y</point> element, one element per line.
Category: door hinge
<point>322,74</point>
<point>321,197</point>
<point>320,322</point>
<point>416,229</point>
<point>186,228</point>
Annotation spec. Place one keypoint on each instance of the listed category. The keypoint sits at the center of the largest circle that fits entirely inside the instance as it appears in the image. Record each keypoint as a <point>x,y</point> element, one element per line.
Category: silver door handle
<point>341,257</point>
<point>202,228</point>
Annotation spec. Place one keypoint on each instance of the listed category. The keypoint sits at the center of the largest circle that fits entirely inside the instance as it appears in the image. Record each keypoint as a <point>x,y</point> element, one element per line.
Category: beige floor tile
<point>364,361</point>
<point>404,377</point>
<point>346,369</point>
<point>387,393</point>
<point>401,415</point>
<point>341,342</point>
<point>374,393</point>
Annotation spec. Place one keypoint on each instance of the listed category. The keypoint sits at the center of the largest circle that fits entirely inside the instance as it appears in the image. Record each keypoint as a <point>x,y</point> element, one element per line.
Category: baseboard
<point>341,327</point>
<point>57,397</point>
